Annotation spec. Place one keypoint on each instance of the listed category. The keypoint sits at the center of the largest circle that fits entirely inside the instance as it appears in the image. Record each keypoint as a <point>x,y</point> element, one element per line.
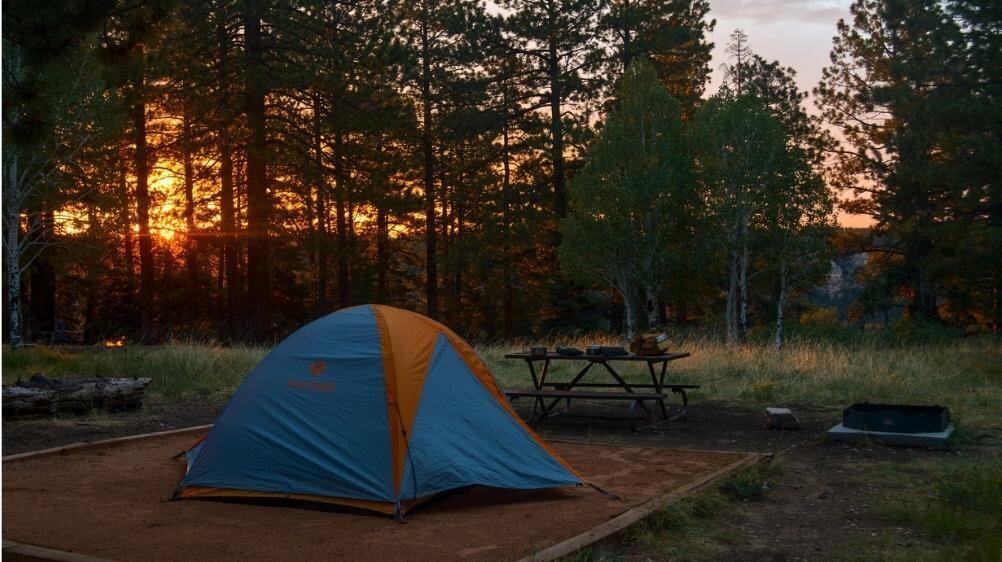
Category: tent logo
<point>317,368</point>
<point>315,386</point>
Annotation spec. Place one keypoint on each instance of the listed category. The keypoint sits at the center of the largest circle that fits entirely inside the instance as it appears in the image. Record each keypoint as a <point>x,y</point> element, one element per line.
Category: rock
<point>781,418</point>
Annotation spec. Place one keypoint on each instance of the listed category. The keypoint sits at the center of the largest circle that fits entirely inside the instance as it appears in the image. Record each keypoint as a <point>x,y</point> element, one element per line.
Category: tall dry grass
<point>964,374</point>
<point>175,369</point>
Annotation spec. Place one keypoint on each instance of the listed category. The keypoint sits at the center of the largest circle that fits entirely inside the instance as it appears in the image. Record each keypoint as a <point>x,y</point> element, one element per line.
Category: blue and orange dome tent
<point>370,407</point>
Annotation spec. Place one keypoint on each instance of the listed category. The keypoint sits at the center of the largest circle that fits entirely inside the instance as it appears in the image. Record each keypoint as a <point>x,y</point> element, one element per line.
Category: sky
<point>797,33</point>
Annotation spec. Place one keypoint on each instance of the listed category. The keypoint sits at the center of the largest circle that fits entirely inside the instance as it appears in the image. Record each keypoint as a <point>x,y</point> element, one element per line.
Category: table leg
<point>633,408</point>
<point>532,371</point>
<point>578,376</point>
<point>633,415</point>
<point>659,385</point>
<point>626,386</point>
<point>574,381</point>
<point>654,378</point>
<point>542,381</point>
<point>542,376</point>
<point>535,384</point>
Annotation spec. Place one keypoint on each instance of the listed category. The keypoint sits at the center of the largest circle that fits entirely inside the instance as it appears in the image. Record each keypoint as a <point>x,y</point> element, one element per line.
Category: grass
<point>953,501</point>
<point>752,484</point>
<point>962,504</point>
<point>176,369</point>
<point>964,374</point>
<point>684,530</point>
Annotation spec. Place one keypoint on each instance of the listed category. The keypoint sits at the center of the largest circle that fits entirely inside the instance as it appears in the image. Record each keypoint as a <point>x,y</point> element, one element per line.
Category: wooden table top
<point>598,358</point>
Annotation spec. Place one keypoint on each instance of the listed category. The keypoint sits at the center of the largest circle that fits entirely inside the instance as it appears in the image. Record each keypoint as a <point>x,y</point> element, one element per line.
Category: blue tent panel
<point>310,419</point>
<point>461,436</point>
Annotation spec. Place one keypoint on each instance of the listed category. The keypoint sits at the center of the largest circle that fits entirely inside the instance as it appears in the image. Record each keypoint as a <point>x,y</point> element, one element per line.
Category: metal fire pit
<point>895,424</point>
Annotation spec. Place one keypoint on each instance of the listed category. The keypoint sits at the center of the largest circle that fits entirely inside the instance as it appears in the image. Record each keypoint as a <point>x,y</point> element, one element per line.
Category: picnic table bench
<point>548,394</point>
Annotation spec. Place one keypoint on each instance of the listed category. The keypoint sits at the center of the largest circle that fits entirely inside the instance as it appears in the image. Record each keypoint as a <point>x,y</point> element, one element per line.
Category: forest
<point>228,170</point>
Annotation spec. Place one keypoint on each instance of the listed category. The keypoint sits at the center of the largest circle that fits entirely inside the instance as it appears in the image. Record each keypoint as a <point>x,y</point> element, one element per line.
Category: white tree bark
<point>629,309</point>
<point>651,308</point>
<point>25,172</point>
<point>742,330</point>
<point>13,200</point>
<point>12,255</point>
<point>41,396</point>
<point>780,303</point>
<point>730,317</point>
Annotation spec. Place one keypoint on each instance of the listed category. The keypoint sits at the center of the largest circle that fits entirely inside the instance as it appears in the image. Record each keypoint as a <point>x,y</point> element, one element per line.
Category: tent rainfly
<point>370,407</point>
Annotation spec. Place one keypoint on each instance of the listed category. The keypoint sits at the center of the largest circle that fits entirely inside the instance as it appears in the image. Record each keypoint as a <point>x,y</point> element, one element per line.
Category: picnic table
<point>547,395</point>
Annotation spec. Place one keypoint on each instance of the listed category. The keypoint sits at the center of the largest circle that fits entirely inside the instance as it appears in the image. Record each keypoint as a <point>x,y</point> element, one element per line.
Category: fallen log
<point>42,396</point>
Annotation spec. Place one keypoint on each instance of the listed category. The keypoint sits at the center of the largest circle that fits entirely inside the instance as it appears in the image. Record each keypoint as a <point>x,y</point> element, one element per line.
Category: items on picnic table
<point>606,350</point>
<point>538,351</point>
<point>649,344</point>
<point>569,351</point>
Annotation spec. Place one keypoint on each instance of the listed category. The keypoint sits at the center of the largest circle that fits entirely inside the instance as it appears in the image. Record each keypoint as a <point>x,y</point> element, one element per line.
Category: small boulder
<point>781,418</point>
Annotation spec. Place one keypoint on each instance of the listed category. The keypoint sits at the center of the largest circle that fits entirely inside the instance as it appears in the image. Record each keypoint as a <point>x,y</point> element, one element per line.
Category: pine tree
<point>631,199</point>
<point>560,38</point>
<point>671,35</point>
<point>896,91</point>
<point>741,148</point>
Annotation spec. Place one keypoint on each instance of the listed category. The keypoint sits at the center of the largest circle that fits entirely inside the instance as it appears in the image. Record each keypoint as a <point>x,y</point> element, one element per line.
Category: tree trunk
<point>93,289</point>
<point>126,219</point>
<point>506,232</point>
<point>190,242</point>
<point>431,263</point>
<point>382,255</point>
<point>12,258</point>
<point>320,241</point>
<point>743,291</point>
<point>626,55</point>
<point>147,294</point>
<point>651,307</point>
<point>229,234</point>
<point>923,304</point>
<point>41,396</point>
<point>43,281</point>
<point>629,312</point>
<point>457,243</point>
<point>729,313</point>
<point>227,212</point>
<point>258,204</point>
<point>780,303</point>
<point>12,202</point>
<point>445,225</point>
<point>556,133</point>
<point>42,305</point>
<point>341,203</point>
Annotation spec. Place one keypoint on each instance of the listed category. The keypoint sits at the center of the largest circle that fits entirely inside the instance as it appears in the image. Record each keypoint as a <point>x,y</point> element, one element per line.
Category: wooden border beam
<point>18,551</point>
<point>102,443</point>
<point>631,516</point>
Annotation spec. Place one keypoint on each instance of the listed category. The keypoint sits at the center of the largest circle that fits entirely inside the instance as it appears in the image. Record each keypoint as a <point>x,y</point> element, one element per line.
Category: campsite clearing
<point>825,501</point>
<point>67,502</point>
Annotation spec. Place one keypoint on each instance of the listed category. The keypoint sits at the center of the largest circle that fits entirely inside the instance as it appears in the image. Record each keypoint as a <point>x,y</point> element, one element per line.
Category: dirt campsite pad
<point>109,502</point>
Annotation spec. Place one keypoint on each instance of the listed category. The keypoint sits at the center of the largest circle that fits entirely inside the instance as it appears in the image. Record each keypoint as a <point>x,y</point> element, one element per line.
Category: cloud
<point>770,11</point>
